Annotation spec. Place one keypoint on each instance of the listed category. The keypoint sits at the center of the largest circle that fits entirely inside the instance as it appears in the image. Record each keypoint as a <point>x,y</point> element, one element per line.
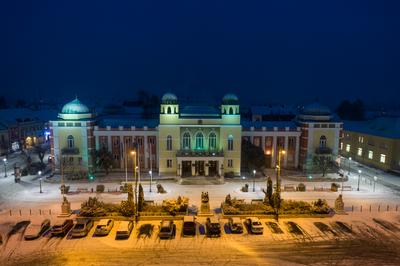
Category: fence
<point>372,208</point>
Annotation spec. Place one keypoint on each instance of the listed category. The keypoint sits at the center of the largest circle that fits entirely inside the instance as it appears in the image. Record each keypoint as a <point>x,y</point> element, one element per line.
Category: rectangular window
<point>383,158</point>
<point>70,124</point>
<point>370,155</point>
<point>230,144</point>
<point>169,163</point>
<point>348,147</point>
<point>359,152</point>
<point>361,139</point>
<point>61,124</point>
<point>80,160</point>
<point>230,163</point>
<point>341,145</point>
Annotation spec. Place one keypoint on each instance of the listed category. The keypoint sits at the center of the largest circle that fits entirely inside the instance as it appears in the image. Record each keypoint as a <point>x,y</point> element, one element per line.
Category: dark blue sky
<point>264,51</point>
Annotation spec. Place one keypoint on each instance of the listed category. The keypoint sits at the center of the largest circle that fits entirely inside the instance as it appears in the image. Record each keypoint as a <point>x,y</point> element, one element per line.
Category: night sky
<point>264,51</point>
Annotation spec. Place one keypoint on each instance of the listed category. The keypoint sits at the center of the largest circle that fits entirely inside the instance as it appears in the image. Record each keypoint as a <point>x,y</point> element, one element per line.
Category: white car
<point>124,229</point>
<point>255,225</point>
<point>104,227</point>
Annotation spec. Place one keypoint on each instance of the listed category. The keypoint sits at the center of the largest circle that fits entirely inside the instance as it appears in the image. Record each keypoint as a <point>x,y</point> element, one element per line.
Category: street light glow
<point>254,171</point>
<point>359,171</point>
<point>283,151</point>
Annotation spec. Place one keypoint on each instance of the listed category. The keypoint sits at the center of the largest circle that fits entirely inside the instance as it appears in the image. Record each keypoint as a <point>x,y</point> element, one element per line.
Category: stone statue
<point>205,205</point>
<point>204,197</point>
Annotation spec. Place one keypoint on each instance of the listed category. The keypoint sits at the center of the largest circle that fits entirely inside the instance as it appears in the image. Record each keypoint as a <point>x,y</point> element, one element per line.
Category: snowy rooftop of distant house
<point>12,116</point>
<point>388,127</point>
<point>126,121</point>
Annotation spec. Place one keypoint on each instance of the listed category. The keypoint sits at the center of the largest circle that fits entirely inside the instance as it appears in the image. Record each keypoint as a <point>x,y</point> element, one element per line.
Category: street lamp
<point>151,178</point>
<point>358,183</point>
<point>5,167</point>
<point>135,176</point>
<point>375,178</point>
<point>254,180</point>
<point>40,181</point>
<point>349,164</point>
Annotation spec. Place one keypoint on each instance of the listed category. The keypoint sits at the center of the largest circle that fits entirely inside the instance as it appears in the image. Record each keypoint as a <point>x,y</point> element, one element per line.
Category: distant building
<point>373,142</point>
<point>188,140</point>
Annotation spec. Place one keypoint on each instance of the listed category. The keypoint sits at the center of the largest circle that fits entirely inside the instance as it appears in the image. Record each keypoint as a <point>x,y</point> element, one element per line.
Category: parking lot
<point>358,233</point>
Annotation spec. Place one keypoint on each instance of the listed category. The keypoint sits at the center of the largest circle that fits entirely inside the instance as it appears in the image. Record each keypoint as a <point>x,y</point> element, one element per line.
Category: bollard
<point>379,208</point>
<point>370,208</point>
<point>20,213</point>
<point>10,213</point>
<point>352,208</point>
<point>30,212</point>
<point>387,208</point>
<point>361,208</point>
<point>396,207</point>
<point>40,212</point>
<point>50,211</point>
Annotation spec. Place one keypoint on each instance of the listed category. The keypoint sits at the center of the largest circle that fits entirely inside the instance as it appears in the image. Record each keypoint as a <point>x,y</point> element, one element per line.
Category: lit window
<point>383,158</point>
<point>370,155</point>
<point>186,140</point>
<point>169,143</point>
<point>361,139</point>
<point>230,143</point>
<point>212,141</point>
<point>230,163</point>
<point>169,163</point>
<point>341,145</point>
<point>199,141</point>
<point>348,147</point>
<point>359,152</point>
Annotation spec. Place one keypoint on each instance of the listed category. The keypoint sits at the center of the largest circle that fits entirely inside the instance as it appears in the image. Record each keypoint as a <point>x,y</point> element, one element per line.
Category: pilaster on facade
<point>274,151</point>
<point>297,153</point>
<point>286,149</point>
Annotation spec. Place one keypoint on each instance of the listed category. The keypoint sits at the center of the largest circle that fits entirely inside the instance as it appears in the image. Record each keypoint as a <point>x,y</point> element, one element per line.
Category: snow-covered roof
<point>169,98</point>
<point>12,116</point>
<point>388,127</point>
<point>126,121</point>
<point>278,109</point>
<point>268,124</point>
<point>316,109</point>
<point>230,98</point>
<point>75,107</point>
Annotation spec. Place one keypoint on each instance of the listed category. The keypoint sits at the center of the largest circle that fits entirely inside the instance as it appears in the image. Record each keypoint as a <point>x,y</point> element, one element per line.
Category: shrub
<point>301,187</point>
<point>173,206</point>
<point>127,208</point>
<point>100,188</point>
<point>64,189</point>
<point>320,207</point>
<point>295,207</point>
<point>92,208</point>
<point>24,172</point>
<point>229,175</point>
<point>334,187</point>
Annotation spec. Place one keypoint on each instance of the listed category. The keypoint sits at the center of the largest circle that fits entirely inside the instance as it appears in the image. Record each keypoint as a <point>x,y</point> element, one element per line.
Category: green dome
<point>169,98</point>
<point>75,107</point>
<point>230,99</point>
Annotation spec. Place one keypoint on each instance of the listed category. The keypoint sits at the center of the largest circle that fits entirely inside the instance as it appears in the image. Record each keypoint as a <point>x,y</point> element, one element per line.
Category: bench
<point>347,188</point>
<point>289,188</point>
<point>80,189</point>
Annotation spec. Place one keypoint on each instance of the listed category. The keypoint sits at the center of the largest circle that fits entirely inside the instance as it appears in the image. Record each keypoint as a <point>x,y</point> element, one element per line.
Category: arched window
<point>169,110</point>
<point>230,110</point>
<point>212,141</point>
<point>169,143</point>
<point>186,140</point>
<point>230,143</point>
<point>70,141</point>
<point>199,141</point>
<point>322,142</point>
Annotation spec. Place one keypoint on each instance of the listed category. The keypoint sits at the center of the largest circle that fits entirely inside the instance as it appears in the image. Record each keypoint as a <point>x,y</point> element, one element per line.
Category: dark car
<point>235,225</point>
<point>63,228</point>
<point>167,229</point>
<point>189,226</point>
<point>213,227</point>
<point>34,231</point>
<point>82,227</point>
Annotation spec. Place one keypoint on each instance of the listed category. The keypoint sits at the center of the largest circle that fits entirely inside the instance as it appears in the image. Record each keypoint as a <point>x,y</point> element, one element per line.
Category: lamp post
<point>349,165</point>
<point>5,167</point>
<point>40,181</point>
<point>134,175</point>
<point>375,178</point>
<point>254,180</point>
<point>359,177</point>
<point>151,178</point>
<point>278,176</point>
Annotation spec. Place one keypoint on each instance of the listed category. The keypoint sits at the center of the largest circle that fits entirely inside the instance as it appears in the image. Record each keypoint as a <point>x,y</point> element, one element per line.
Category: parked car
<point>63,228</point>
<point>167,229</point>
<point>213,227</point>
<point>255,225</point>
<point>124,229</point>
<point>34,231</point>
<point>235,225</point>
<point>82,227</point>
<point>104,227</point>
<point>189,226</point>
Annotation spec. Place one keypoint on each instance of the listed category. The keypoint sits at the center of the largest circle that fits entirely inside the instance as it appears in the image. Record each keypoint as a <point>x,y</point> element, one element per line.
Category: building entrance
<point>186,168</point>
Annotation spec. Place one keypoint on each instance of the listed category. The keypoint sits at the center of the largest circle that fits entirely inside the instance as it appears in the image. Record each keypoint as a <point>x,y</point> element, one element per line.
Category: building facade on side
<point>188,140</point>
<point>373,142</point>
